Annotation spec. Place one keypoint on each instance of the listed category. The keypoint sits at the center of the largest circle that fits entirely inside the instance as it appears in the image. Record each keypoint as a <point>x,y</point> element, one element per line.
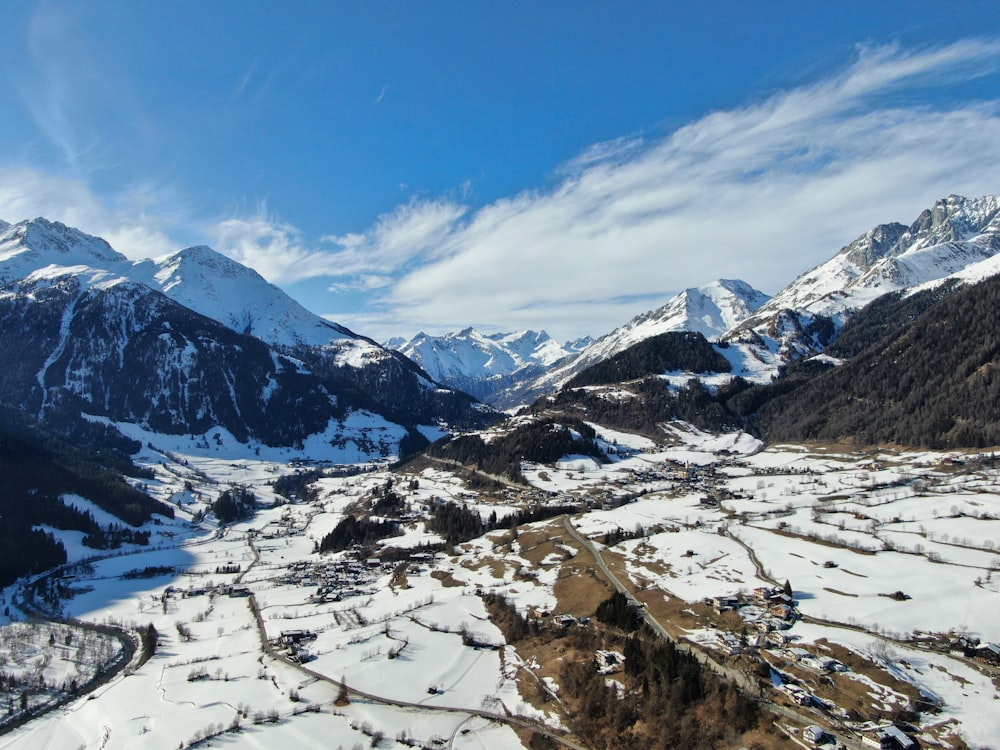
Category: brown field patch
<point>579,590</point>
<point>447,579</point>
<point>496,567</point>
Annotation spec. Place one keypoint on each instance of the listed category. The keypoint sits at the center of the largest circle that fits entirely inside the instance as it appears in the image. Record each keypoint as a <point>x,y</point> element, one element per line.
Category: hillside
<point>930,381</point>
<point>39,469</point>
<point>666,352</point>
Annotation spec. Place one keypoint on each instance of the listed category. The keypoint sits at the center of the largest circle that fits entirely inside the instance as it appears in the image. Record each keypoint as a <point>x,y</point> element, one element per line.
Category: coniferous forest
<point>543,441</point>
<point>918,371</point>
<point>923,372</point>
<point>684,351</point>
<point>38,469</point>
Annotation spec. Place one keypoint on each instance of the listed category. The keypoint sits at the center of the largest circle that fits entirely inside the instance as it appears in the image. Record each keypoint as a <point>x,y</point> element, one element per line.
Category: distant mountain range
<point>958,238</point>
<point>194,341</point>
<point>487,365</point>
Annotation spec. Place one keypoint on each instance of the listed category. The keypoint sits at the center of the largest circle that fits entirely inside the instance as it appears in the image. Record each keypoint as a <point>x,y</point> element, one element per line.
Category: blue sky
<point>563,166</point>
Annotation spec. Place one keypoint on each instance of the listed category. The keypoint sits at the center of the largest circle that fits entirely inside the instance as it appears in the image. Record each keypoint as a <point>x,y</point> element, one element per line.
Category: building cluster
<point>334,580</point>
<point>293,643</point>
<point>765,609</point>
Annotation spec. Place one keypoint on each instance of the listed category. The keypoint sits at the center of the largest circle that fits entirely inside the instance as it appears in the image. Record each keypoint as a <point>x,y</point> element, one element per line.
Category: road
<point>129,645</point>
<point>739,678</point>
<point>732,675</point>
<point>354,693</point>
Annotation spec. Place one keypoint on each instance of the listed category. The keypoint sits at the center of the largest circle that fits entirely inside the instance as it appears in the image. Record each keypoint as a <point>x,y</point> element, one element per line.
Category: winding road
<point>513,721</point>
<point>739,678</point>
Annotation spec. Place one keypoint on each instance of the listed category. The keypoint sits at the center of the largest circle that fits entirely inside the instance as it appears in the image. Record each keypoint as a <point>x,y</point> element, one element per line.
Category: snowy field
<point>704,516</point>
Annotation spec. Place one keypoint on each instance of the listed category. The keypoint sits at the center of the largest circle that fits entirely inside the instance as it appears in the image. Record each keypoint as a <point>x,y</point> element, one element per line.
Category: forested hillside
<point>683,351</point>
<point>544,441</point>
<point>38,468</point>
<point>920,371</point>
<point>925,373</point>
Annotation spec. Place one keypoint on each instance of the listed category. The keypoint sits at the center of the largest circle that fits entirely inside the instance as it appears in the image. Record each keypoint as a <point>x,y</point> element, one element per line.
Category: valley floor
<point>890,557</point>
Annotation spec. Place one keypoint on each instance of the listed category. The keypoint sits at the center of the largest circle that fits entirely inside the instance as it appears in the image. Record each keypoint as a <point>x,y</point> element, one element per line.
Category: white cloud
<point>761,192</point>
<point>412,232</point>
<point>273,248</point>
<point>123,220</point>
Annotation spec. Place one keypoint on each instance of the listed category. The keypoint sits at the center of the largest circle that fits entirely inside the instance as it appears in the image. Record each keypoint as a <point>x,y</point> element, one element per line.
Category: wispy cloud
<point>414,232</point>
<point>760,192</point>
<point>65,85</point>
<point>276,249</point>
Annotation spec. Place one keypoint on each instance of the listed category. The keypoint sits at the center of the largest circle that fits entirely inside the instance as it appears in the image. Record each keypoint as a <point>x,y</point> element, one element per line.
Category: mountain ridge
<point>72,307</point>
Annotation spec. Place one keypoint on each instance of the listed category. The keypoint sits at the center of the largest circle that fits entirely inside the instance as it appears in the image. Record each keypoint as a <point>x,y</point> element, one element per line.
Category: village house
<point>889,737</point>
<point>814,734</point>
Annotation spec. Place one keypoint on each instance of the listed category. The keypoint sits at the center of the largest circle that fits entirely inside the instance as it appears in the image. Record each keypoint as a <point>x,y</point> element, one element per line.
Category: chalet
<point>237,591</point>
<point>989,653</point>
<point>796,694</point>
<point>829,664</point>
<point>731,644</point>
<point>889,737</point>
<point>292,637</point>
<point>764,593</point>
<point>725,603</point>
<point>814,734</point>
<point>781,611</point>
<point>777,638</point>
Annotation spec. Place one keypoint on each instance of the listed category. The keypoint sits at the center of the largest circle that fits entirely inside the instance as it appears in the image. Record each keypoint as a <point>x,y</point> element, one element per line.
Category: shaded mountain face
<point>114,348</point>
<point>189,342</point>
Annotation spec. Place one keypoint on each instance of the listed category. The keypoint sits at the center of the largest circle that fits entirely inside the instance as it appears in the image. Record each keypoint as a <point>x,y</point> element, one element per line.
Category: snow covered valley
<point>263,640</point>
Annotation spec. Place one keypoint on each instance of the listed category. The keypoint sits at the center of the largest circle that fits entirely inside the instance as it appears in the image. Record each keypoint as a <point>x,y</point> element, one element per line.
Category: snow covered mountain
<point>955,235</point>
<point>32,245</point>
<point>710,310</point>
<point>173,344</point>
<point>485,365</point>
<point>958,238</point>
<point>238,297</point>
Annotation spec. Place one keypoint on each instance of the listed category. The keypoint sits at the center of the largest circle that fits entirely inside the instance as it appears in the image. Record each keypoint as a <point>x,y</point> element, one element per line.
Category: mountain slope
<point>220,288</point>
<point>102,345</point>
<point>710,310</point>
<point>483,365</point>
<point>930,376</point>
<point>943,241</point>
<point>38,258</point>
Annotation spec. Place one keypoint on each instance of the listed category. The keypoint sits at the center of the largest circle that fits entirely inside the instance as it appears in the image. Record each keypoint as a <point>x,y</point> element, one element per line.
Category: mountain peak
<point>30,245</point>
<point>43,235</point>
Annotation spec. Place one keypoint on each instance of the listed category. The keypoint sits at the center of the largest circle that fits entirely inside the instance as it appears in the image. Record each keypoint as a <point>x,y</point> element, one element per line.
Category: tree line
<point>39,468</point>
<point>676,351</point>
<point>541,441</point>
